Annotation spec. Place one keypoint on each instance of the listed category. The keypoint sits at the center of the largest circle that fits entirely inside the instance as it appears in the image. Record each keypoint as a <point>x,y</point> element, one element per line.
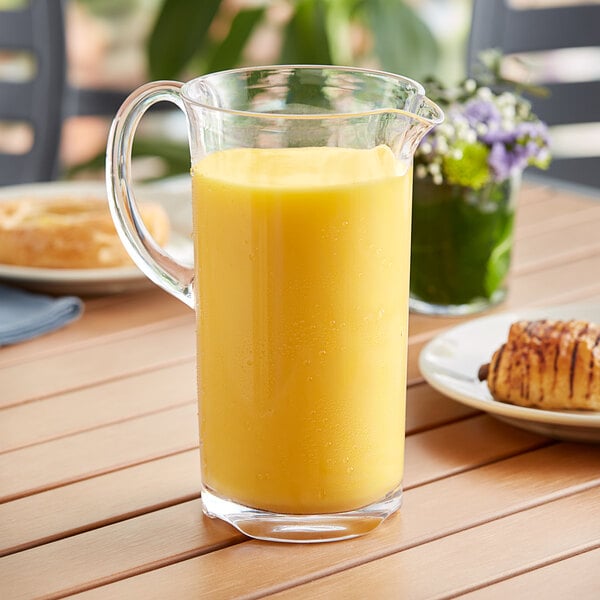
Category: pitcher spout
<point>409,126</point>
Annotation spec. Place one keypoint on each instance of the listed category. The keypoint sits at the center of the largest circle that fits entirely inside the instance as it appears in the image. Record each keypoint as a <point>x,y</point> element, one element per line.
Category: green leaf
<point>179,32</point>
<point>175,157</point>
<point>498,264</point>
<point>227,54</point>
<point>338,25</point>
<point>403,43</point>
<point>305,36</point>
<point>109,9</point>
<point>471,169</point>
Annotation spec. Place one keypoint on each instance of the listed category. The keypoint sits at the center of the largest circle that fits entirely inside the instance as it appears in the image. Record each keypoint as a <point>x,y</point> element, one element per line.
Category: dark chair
<point>37,29</point>
<point>498,25</point>
<point>47,99</point>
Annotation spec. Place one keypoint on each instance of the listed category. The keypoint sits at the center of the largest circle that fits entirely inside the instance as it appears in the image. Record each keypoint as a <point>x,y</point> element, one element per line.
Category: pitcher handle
<point>155,263</point>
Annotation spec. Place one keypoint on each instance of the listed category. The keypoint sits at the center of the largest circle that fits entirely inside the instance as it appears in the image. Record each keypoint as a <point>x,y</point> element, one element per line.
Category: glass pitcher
<point>302,188</point>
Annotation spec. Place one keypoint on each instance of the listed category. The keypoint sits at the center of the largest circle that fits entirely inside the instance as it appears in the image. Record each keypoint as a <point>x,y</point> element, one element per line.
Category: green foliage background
<point>182,44</point>
<point>318,32</point>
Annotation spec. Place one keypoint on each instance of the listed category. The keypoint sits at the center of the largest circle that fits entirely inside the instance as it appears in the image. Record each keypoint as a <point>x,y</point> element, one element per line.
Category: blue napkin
<point>24,315</point>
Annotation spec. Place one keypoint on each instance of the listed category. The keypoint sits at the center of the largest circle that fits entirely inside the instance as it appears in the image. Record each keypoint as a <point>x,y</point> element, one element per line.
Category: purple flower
<point>512,151</point>
<point>496,135</point>
<point>506,162</point>
<point>533,130</point>
<point>499,161</point>
<point>479,111</point>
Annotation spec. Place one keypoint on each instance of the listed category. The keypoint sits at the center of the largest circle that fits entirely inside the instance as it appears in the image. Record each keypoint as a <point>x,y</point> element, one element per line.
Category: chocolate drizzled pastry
<point>547,364</point>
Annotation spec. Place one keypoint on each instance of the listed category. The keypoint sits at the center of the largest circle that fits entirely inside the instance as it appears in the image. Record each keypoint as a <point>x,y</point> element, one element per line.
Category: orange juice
<point>302,259</point>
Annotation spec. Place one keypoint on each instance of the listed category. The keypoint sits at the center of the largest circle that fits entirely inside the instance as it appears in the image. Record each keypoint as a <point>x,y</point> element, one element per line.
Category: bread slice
<point>69,233</point>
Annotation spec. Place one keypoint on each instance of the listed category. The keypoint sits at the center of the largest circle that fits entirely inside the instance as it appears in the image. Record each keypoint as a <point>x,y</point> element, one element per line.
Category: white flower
<point>508,112</point>
<point>421,171</point>
<point>426,147</point>
<point>464,132</point>
<point>470,86</point>
<point>506,99</point>
<point>446,129</point>
<point>442,145</point>
<point>523,110</point>
<point>485,93</point>
<point>471,138</point>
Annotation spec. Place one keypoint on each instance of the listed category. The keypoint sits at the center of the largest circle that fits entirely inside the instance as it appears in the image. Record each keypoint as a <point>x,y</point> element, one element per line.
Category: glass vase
<point>461,246</point>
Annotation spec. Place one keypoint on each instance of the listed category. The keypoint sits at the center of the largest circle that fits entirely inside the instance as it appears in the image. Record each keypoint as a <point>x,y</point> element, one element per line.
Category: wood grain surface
<point>100,471</point>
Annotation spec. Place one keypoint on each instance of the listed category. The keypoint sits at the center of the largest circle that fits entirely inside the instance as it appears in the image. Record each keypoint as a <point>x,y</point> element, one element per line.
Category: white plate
<point>450,363</point>
<point>174,196</point>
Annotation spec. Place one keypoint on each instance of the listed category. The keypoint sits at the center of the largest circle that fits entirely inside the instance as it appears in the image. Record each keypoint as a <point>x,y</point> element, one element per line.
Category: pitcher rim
<point>337,115</point>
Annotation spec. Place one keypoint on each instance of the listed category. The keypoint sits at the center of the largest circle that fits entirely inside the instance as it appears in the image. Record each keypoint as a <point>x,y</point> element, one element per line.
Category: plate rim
<point>484,400</point>
<point>17,272</point>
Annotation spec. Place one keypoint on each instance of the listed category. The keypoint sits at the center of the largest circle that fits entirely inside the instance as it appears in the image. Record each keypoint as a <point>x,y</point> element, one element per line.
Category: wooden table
<point>99,469</point>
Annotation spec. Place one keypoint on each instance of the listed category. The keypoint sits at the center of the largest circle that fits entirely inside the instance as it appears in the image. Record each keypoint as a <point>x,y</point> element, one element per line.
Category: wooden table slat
<point>503,489</point>
<point>110,317</point>
<point>87,454</point>
<point>100,469</point>
<point>97,501</point>
<point>104,404</point>
<point>51,464</point>
<point>115,401</point>
<point>551,213</point>
<point>575,276</point>
<point>37,517</point>
<point>177,533</point>
<point>528,534</point>
<point>575,241</point>
<point>84,367</point>
<point>427,408</point>
<point>574,577</point>
<point>421,450</point>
